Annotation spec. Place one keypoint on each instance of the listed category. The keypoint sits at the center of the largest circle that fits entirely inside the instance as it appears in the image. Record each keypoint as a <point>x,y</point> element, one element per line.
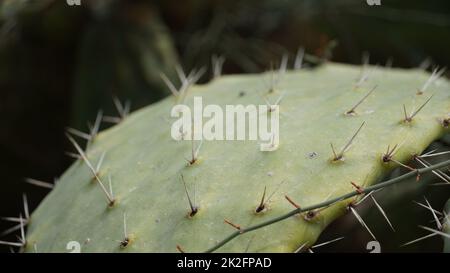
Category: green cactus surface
<point>229,178</point>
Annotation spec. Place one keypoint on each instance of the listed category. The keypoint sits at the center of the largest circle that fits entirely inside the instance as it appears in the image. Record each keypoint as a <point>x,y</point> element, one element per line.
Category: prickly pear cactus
<point>232,184</point>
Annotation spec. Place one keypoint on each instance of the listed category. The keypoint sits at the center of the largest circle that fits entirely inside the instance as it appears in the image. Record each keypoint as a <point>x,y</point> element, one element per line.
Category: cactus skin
<point>145,164</point>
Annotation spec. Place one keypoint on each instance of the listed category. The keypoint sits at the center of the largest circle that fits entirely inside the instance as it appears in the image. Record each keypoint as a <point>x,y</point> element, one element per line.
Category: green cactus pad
<point>229,177</point>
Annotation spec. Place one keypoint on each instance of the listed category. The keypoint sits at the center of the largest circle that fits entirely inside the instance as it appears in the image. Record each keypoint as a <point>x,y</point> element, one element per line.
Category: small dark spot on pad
<point>124,243</point>
<point>193,212</point>
<point>260,208</point>
<point>310,215</point>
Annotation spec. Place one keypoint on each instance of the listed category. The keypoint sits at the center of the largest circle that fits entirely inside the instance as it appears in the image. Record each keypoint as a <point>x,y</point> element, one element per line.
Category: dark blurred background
<point>60,64</point>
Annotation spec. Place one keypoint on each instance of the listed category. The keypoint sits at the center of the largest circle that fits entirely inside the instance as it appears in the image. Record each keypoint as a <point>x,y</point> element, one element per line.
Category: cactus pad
<point>230,177</point>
